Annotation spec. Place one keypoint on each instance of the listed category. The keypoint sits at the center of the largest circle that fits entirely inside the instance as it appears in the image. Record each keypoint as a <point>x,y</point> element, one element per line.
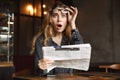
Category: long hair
<point>47,29</point>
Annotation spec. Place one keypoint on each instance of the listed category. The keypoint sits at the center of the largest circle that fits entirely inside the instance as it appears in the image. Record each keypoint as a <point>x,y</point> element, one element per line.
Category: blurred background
<point>98,22</point>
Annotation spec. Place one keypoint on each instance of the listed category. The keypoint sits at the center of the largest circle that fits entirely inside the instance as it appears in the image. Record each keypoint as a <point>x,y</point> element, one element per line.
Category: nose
<point>59,18</point>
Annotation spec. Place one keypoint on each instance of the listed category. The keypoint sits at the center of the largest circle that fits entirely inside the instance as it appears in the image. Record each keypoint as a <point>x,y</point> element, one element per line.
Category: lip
<point>58,26</point>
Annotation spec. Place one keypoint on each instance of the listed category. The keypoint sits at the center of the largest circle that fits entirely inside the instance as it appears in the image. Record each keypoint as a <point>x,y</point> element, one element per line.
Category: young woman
<point>59,29</point>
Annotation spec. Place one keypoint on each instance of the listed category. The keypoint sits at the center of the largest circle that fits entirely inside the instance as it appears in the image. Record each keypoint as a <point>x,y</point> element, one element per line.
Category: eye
<point>64,15</point>
<point>54,15</point>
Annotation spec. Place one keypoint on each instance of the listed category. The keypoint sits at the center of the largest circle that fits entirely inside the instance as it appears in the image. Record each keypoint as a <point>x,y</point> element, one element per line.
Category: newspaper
<point>69,56</point>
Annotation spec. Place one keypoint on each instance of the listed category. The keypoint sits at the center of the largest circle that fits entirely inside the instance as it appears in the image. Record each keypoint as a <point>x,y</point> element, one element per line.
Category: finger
<point>74,9</point>
<point>69,10</point>
<point>69,16</point>
<point>44,66</point>
<point>45,63</point>
<point>75,12</point>
<point>49,61</point>
<point>41,66</point>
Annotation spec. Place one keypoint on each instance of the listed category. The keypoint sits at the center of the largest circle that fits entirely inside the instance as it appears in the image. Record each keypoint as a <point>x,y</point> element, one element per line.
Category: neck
<point>59,35</point>
<point>57,38</point>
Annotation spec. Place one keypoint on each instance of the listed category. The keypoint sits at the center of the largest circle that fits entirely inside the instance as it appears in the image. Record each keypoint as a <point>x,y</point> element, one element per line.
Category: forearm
<point>38,56</point>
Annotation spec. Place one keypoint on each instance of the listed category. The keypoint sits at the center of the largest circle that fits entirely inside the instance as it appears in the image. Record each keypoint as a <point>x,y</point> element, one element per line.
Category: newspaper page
<point>69,56</point>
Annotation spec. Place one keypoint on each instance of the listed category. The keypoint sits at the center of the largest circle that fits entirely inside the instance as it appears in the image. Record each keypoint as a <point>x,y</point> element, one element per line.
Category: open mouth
<point>59,25</point>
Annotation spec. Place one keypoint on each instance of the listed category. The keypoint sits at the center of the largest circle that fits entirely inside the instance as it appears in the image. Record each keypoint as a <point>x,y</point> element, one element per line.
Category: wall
<point>98,22</point>
<point>116,29</point>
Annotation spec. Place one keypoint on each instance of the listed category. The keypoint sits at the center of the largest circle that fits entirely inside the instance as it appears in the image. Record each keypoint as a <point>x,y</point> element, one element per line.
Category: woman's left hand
<point>72,14</point>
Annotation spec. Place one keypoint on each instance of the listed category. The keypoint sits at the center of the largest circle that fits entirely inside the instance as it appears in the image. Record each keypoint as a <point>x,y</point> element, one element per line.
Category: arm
<point>76,38</point>
<point>41,64</point>
<point>72,14</point>
<point>38,56</point>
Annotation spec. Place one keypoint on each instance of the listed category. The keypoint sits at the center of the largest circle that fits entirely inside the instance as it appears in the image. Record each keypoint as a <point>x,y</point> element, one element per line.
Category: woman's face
<point>59,19</point>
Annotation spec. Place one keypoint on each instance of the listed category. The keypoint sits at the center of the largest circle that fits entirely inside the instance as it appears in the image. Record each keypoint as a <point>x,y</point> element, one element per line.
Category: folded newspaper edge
<point>69,56</point>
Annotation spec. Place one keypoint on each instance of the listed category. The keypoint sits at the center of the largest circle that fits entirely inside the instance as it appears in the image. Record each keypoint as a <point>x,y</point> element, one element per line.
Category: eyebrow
<point>54,13</point>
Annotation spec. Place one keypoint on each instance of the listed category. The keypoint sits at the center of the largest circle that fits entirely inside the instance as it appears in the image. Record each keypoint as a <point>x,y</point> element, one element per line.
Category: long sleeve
<point>76,38</point>
<point>38,56</point>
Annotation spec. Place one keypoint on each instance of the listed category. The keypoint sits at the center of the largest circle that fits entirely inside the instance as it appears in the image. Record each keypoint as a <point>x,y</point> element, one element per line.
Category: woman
<point>59,29</point>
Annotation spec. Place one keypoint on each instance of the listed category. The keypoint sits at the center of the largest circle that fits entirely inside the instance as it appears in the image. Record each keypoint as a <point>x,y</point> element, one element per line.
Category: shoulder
<point>40,39</point>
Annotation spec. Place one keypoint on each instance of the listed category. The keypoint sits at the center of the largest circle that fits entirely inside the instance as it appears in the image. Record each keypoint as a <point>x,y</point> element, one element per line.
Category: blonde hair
<point>48,31</point>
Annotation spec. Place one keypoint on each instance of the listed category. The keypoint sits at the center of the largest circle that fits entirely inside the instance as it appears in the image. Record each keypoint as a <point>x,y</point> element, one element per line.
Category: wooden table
<point>66,77</point>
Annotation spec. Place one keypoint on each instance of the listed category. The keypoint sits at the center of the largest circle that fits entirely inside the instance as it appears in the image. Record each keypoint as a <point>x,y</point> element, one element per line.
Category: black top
<point>75,39</point>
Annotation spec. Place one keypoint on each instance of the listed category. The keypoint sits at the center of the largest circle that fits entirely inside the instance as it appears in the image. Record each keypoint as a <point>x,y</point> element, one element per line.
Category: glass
<point>63,10</point>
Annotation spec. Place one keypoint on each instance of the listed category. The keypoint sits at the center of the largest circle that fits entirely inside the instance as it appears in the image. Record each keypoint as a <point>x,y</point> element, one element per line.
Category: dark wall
<point>98,22</point>
<point>116,29</point>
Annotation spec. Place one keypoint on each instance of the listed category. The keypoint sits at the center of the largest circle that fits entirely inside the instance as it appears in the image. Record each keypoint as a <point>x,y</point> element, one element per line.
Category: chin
<point>59,31</point>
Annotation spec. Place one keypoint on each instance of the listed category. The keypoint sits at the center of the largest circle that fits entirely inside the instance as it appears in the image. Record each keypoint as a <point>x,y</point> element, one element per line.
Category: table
<point>112,66</point>
<point>67,77</point>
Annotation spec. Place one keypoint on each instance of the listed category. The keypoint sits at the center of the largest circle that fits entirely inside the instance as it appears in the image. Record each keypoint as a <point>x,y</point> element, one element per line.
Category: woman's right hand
<point>72,14</point>
<point>45,63</point>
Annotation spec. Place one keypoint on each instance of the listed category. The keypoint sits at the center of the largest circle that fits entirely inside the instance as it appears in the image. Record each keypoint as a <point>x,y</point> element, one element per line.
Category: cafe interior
<point>98,21</point>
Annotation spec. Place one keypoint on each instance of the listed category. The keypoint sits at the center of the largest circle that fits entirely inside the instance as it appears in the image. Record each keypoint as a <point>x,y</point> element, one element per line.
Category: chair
<point>115,66</point>
<point>112,66</point>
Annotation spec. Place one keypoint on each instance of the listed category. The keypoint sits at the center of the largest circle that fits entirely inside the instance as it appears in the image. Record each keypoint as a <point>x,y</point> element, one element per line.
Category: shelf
<point>6,37</point>
<point>6,64</point>
<point>11,34</point>
<point>11,45</point>
<point>2,54</point>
